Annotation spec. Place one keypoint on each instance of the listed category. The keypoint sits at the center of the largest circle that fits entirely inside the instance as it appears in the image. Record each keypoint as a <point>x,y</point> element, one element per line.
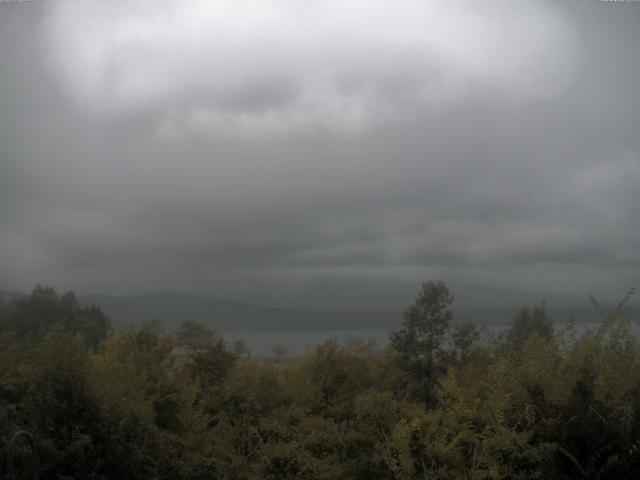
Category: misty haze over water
<point>261,343</point>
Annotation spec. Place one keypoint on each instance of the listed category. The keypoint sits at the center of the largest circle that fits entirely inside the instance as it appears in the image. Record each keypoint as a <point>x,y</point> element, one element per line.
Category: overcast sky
<point>319,151</point>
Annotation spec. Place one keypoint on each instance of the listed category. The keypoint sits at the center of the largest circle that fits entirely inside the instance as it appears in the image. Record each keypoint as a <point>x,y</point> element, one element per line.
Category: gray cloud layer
<point>268,66</point>
<point>268,150</point>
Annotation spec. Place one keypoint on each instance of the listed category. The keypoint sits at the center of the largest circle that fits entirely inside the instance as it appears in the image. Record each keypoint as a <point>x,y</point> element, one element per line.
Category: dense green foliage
<point>438,403</point>
<point>35,316</point>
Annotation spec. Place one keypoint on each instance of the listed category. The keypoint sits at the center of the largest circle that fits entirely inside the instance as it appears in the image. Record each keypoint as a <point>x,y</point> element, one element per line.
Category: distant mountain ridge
<point>225,315</point>
<point>171,309</point>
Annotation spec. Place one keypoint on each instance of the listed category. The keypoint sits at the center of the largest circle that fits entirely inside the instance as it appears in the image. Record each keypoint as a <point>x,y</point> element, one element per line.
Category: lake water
<point>261,342</point>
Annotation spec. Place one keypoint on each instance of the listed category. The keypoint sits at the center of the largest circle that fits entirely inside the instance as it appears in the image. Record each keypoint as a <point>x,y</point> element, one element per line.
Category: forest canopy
<point>441,401</point>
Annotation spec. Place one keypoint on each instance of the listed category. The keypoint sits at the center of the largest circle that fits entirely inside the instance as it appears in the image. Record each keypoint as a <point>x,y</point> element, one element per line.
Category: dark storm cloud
<point>129,160</point>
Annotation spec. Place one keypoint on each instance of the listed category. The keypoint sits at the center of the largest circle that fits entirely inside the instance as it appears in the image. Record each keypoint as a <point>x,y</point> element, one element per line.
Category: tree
<point>209,359</point>
<point>35,316</point>
<point>527,321</point>
<point>47,389</point>
<point>465,338</point>
<point>330,378</point>
<point>193,336</point>
<point>148,405</point>
<point>420,340</point>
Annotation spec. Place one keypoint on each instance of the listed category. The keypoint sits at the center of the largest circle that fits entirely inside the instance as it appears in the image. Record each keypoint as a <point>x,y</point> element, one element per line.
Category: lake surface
<point>260,342</point>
